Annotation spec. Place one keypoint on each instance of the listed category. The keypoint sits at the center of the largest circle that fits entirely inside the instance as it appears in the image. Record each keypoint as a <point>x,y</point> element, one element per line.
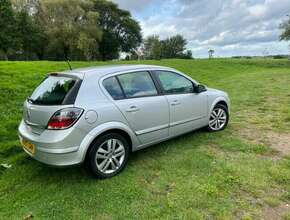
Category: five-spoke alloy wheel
<point>219,118</point>
<point>108,155</point>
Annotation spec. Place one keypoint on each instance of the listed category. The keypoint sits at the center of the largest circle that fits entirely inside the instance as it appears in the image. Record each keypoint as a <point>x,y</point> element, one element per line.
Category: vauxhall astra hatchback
<point>100,115</point>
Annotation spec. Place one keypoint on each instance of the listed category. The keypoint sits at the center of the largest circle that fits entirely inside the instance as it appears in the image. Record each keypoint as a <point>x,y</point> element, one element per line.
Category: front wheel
<point>108,155</point>
<point>219,118</point>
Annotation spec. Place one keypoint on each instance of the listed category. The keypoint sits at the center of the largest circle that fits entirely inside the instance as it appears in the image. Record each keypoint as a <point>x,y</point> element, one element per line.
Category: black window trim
<point>154,72</point>
<point>155,79</point>
<point>143,96</point>
<point>119,84</point>
<point>121,87</point>
<point>70,97</point>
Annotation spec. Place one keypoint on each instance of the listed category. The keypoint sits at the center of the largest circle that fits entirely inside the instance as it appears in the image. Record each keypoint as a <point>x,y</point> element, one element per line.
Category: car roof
<point>101,71</point>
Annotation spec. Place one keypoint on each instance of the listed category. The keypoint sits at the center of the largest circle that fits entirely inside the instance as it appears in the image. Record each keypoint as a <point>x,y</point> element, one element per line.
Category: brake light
<point>64,118</point>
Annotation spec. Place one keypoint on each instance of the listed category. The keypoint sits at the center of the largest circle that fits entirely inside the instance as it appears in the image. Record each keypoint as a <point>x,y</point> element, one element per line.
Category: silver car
<point>100,115</point>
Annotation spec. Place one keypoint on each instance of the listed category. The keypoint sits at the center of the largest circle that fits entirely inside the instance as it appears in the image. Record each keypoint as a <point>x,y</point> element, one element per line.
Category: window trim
<point>152,73</point>
<point>142,96</point>
<point>123,94</point>
<point>121,87</point>
<point>69,98</point>
<point>162,88</point>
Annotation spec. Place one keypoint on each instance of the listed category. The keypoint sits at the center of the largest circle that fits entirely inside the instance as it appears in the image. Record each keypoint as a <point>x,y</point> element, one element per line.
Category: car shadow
<point>164,146</point>
<point>81,172</point>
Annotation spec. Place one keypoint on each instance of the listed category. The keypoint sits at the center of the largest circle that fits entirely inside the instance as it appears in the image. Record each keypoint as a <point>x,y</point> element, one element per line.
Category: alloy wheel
<point>110,156</point>
<point>218,119</point>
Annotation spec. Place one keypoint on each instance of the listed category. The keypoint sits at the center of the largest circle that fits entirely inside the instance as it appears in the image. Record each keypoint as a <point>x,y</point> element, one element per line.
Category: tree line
<point>171,47</point>
<point>77,30</point>
<point>61,29</point>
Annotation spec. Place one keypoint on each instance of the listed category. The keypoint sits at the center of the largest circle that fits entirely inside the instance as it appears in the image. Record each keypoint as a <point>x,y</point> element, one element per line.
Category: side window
<point>112,86</point>
<point>137,84</point>
<point>174,83</point>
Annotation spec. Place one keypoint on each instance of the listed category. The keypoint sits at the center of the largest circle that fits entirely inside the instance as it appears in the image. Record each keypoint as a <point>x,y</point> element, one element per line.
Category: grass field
<point>242,172</point>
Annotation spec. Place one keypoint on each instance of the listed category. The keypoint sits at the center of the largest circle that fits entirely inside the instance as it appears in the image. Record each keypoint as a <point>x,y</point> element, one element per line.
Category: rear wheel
<point>219,118</point>
<point>108,155</point>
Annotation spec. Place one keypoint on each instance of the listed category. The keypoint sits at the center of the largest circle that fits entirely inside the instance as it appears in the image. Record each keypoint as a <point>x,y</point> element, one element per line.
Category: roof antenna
<point>67,61</point>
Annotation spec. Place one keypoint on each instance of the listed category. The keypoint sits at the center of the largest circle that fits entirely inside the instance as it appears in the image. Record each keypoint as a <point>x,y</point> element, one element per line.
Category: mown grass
<point>196,176</point>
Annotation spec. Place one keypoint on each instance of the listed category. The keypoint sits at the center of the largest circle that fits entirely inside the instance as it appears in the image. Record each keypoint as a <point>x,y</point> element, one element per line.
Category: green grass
<point>224,175</point>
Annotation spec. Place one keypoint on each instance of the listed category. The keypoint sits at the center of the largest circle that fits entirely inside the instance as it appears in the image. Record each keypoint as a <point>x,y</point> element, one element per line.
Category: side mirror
<point>199,88</point>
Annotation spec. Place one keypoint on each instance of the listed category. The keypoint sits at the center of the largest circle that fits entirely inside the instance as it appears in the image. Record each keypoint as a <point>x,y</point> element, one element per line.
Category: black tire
<point>225,109</point>
<point>94,149</point>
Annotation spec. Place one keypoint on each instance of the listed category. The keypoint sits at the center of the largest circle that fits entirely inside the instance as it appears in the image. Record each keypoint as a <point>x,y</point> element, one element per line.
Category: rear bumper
<point>55,148</point>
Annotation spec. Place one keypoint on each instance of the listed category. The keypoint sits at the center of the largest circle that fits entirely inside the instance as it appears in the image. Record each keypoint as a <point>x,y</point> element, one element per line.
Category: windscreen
<point>52,91</point>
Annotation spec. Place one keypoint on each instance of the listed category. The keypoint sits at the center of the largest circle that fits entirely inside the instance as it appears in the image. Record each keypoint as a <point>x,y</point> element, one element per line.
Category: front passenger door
<point>187,108</point>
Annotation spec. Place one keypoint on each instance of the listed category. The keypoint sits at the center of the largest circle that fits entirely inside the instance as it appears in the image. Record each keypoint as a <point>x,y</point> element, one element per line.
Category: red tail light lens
<point>64,118</point>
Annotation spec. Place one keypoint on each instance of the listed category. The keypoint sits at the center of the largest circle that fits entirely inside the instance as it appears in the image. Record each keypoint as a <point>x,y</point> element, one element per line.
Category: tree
<point>152,47</point>
<point>30,37</point>
<point>210,53</point>
<point>8,37</point>
<point>187,54</point>
<point>120,31</point>
<point>71,27</point>
<point>286,30</point>
<point>173,47</point>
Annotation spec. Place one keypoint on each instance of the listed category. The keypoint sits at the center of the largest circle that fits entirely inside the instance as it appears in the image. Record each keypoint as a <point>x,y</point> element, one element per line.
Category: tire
<point>108,155</point>
<point>218,121</point>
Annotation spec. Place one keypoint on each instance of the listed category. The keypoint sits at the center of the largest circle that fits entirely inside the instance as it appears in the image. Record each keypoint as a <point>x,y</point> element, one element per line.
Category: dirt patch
<point>253,135</point>
<point>270,213</point>
<point>279,142</point>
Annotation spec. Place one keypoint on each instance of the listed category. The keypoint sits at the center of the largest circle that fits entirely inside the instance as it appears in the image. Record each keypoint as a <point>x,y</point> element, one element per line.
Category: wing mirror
<point>199,88</point>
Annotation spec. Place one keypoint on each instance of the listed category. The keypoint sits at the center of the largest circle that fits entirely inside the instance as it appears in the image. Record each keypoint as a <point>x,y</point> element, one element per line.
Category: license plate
<point>28,146</point>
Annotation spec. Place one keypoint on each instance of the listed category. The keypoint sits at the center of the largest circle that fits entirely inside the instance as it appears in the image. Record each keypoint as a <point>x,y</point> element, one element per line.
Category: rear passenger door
<point>141,103</point>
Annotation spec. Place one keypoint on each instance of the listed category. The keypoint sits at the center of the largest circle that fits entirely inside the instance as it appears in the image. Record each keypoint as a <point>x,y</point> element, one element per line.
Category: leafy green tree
<point>68,24</point>
<point>32,40</point>
<point>120,31</point>
<point>8,35</point>
<point>210,53</point>
<point>286,30</point>
<point>187,54</point>
<point>173,47</point>
<point>152,47</point>
<point>157,50</point>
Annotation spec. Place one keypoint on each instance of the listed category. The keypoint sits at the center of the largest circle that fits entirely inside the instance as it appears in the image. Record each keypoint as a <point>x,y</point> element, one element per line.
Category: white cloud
<point>231,26</point>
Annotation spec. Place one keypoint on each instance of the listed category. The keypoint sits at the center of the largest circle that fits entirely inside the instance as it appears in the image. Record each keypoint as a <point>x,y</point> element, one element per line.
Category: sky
<point>230,27</point>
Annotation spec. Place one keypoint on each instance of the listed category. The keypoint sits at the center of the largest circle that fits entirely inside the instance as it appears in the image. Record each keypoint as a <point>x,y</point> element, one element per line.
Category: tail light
<point>64,118</point>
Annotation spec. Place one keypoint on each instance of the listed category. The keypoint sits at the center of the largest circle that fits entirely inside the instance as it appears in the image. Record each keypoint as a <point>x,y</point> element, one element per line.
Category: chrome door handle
<point>175,102</point>
<point>132,109</point>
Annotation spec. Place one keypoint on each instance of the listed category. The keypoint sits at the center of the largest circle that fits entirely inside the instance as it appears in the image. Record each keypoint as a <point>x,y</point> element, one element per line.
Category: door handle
<point>132,109</point>
<point>175,102</point>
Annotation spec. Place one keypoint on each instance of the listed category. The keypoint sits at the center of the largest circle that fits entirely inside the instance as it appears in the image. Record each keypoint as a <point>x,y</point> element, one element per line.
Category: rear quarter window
<point>113,88</point>
<point>54,90</point>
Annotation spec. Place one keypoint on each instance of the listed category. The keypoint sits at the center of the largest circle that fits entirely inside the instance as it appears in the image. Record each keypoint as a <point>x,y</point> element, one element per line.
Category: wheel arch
<point>219,100</point>
<point>111,127</point>
<point>222,102</point>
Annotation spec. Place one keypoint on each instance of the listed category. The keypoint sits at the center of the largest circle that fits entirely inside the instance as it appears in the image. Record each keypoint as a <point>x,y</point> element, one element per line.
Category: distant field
<point>242,172</point>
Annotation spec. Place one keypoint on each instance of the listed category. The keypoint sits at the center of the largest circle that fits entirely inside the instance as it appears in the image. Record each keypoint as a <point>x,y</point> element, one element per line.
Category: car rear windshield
<point>53,91</point>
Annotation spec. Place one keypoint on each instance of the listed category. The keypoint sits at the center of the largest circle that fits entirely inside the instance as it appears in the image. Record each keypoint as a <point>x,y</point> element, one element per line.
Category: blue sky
<point>230,27</point>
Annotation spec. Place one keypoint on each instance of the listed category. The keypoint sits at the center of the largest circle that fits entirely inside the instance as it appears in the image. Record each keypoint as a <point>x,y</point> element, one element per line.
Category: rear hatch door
<point>54,93</point>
